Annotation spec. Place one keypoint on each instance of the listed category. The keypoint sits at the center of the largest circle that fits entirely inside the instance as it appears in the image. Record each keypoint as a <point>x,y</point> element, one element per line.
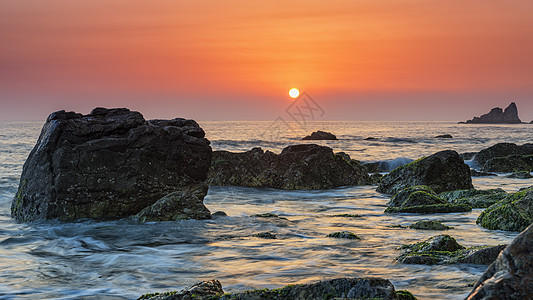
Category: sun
<point>294,93</point>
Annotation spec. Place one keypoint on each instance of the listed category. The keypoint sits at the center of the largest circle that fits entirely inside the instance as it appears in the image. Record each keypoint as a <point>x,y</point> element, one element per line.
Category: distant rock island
<point>498,116</point>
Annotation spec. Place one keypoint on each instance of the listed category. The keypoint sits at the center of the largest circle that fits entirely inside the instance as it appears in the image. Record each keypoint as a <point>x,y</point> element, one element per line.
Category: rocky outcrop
<point>342,288</point>
<point>320,135</point>
<point>444,249</point>
<point>442,171</point>
<point>475,198</point>
<point>422,199</point>
<point>502,150</point>
<point>511,163</point>
<point>306,166</point>
<point>498,116</point>
<point>513,213</point>
<point>111,164</point>
<point>511,275</point>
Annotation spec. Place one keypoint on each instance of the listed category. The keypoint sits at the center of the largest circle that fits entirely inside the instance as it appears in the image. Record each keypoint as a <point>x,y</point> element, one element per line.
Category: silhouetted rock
<point>112,164</point>
<point>320,135</point>
<point>513,213</point>
<point>444,136</point>
<point>511,163</point>
<point>498,116</point>
<point>373,138</point>
<point>442,171</point>
<point>502,150</point>
<point>342,288</point>
<point>296,167</point>
<point>511,275</point>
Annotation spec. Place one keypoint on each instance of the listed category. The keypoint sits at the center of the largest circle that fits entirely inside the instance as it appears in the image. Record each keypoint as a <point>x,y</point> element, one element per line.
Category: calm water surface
<point>122,259</point>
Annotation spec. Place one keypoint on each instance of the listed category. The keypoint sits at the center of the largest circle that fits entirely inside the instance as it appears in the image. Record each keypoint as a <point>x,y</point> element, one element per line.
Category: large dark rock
<point>511,163</point>
<point>422,199</point>
<point>511,275</point>
<point>306,166</point>
<point>502,150</point>
<point>320,135</point>
<point>442,171</point>
<point>110,164</point>
<point>474,198</point>
<point>512,213</point>
<point>342,288</point>
<point>498,116</point>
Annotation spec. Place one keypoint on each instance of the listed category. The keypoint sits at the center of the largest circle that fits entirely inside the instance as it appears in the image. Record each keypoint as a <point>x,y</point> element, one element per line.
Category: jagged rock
<point>320,135</point>
<point>444,249</point>
<point>474,198</point>
<point>422,199</point>
<point>520,175</point>
<point>444,136</point>
<point>513,213</point>
<point>467,155</point>
<point>442,171</point>
<point>109,164</point>
<point>502,150</point>
<point>511,163</point>
<point>511,275</point>
<point>342,288</point>
<point>297,167</point>
<point>498,116</point>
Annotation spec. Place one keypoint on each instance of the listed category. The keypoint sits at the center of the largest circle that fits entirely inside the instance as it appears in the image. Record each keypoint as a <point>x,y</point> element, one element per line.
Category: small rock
<point>265,235</point>
<point>444,136</point>
<point>219,214</point>
<point>320,135</point>
<point>344,235</point>
<point>373,138</point>
<point>429,225</point>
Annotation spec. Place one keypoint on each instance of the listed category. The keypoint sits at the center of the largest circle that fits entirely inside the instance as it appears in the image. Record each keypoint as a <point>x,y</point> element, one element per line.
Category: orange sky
<point>236,60</point>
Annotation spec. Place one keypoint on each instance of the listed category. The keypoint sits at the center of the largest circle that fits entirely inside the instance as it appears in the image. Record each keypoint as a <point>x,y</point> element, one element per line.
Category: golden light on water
<point>294,93</point>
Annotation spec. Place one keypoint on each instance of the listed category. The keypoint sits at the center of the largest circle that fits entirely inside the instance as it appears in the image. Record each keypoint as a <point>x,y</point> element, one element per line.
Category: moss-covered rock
<point>442,171</point>
<point>265,235</point>
<point>513,213</point>
<point>342,288</point>
<point>511,163</point>
<point>305,166</point>
<point>429,225</point>
<point>344,235</point>
<point>502,150</point>
<point>444,249</point>
<point>474,198</point>
<point>405,295</point>
<point>431,209</point>
<point>401,197</point>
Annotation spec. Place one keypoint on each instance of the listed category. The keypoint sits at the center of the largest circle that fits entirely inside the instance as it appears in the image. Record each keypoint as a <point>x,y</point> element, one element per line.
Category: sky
<point>236,60</point>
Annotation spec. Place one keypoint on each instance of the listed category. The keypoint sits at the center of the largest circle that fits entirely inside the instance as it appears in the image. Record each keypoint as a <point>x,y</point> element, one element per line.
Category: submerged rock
<point>498,116</point>
<point>474,198</point>
<point>429,225</point>
<point>344,235</point>
<point>513,213</point>
<point>444,249</point>
<point>266,235</point>
<point>444,136</point>
<point>442,171</point>
<point>320,135</point>
<point>511,163</point>
<point>502,150</point>
<point>342,288</point>
<point>422,199</point>
<point>511,275</point>
<point>111,164</point>
<point>306,166</point>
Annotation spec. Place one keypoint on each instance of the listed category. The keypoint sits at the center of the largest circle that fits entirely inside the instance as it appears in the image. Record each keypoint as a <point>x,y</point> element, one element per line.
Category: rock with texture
<point>342,288</point>
<point>320,135</point>
<point>306,166</point>
<point>444,136</point>
<point>422,199</point>
<point>442,171</point>
<point>513,213</point>
<point>475,198</point>
<point>498,116</point>
<point>109,164</point>
<point>502,150</point>
<point>511,163</point>
<point>511,275</point>
<point>429,225</point>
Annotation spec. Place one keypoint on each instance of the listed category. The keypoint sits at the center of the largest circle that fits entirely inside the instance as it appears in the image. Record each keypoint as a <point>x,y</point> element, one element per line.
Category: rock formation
<point>512,213</point>
<point>111,164</point>
<point>306,166</point>
<point>511,275</point>
<point>320,135</point>
<point>422,199</point>
<point>498,116</point>
<point>442,171</point>
<point>342,288</point>
<point>502,150</point>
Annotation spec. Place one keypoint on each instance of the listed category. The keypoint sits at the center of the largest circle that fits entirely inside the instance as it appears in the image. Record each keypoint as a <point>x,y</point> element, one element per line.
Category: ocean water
<point>123,260</point>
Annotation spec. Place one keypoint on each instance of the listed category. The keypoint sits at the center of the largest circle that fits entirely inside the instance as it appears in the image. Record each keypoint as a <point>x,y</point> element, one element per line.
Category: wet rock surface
<point>442,171</point>
<point>306,166</point>
<point>511,275</point>
<point>511,163</point>
<point>422,199</point>
<point>109,164</point>
<point>474,198</point>
<point>512,213</point>
<point>502,150</point>
<point>342,288</point>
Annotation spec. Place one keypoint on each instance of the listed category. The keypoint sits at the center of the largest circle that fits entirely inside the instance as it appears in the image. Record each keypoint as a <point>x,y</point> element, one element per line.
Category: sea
<point>123,259</point>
